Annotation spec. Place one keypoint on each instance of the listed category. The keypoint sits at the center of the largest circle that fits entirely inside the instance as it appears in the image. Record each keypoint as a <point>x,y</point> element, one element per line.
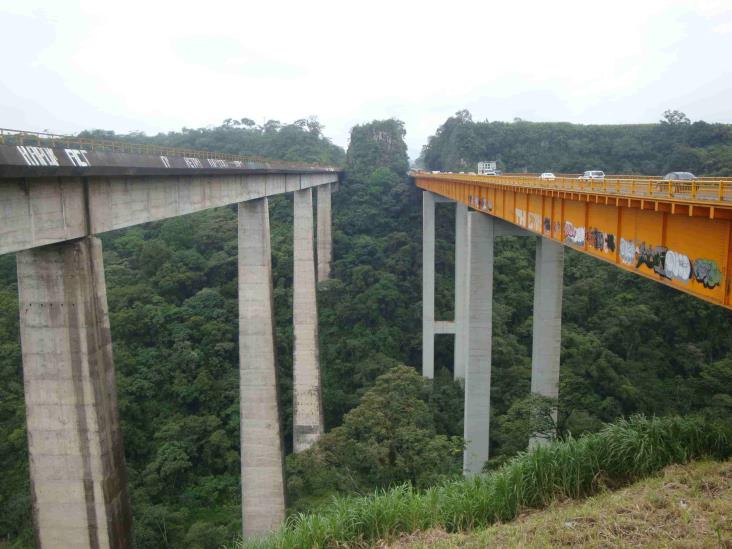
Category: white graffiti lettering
<point>78,157</point>
<point>627,251</point>
<point>520,217</point>
<point>38,156</point>
<point>677,266</point>
<point>165,161</point>
<point>217,163</point>
<point>192,162</point>
<point>534,222</point>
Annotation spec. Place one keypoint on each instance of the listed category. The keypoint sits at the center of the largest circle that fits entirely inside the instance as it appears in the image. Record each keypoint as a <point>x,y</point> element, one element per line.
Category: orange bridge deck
<point>678,233</point>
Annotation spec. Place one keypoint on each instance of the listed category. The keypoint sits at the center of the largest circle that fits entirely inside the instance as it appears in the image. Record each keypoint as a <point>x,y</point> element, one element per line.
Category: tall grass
<point>621,452</point>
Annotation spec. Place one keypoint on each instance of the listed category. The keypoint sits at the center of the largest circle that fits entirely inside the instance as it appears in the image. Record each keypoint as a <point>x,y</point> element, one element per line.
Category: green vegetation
<point>628,345</point>
<point>685,506</point>
<point>675,144</point>
<point>619,453</point>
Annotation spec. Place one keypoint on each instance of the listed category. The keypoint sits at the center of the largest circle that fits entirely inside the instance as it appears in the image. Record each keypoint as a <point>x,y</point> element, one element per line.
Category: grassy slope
<point>685,506</point>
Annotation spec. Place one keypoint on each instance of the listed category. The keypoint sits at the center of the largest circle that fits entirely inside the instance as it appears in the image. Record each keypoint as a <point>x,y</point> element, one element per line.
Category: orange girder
<point>676,233</point>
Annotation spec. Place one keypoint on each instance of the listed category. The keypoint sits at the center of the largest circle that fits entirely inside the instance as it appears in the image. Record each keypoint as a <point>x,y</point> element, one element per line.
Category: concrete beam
<point>480,229</point>
<point>77,464</point>
<point>547,338</point>
<point>262,454</point>
<point>428,284</point>
<point>461,288</point>
<point>41,211</point>
<point>307,401</point>
<point>325,239</point>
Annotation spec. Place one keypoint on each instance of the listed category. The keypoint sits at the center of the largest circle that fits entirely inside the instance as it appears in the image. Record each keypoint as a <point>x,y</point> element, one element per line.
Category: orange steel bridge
<point>678,233</point>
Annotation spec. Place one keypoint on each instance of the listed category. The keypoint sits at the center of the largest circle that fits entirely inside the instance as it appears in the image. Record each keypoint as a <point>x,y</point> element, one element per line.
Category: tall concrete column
<point>325,239</point>
<point>428,284</point>
<point>479,305</point>
<point>307,404</point>
<point>547,338</point>
<point>77,463</point>
<point>262,463</point>
<point>461,288</point>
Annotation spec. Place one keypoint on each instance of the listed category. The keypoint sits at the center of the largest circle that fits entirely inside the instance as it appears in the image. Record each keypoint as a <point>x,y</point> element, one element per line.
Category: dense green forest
<point>674,144</point>
<point>628,344</point>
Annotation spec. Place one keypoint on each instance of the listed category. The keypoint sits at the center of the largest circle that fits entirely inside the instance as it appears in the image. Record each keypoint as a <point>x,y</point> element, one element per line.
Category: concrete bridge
<point>55,195</point>
<point>675,233</point>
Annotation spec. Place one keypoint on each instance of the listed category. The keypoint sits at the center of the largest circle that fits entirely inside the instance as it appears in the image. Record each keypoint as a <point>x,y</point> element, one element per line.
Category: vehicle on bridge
<point>676,182</point>
<point>590,175</point>
<point>547,175</point>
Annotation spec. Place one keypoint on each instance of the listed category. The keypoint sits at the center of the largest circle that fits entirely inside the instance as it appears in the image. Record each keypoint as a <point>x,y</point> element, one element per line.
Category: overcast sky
<point>158,66</point>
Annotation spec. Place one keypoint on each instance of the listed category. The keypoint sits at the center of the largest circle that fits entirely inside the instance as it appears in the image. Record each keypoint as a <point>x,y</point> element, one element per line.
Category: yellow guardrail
<point>702,189</point>
<point>41,139</point>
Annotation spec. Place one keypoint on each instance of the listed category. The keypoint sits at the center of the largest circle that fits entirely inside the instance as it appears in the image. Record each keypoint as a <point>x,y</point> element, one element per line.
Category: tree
<point>675,118</point>
<point>389,438</point>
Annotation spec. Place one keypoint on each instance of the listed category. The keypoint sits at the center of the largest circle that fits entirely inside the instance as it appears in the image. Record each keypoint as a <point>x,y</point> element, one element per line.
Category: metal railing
<point>705,189</point>
<point>41,139</point>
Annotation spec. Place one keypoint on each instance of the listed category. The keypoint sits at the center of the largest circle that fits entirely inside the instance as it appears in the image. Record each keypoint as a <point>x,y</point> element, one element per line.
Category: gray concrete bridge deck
<point>48,196</point>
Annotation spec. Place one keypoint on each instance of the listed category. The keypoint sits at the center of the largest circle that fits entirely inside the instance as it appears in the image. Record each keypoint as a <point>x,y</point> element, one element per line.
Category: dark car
<point>680,181</point>
<point>679,176</point>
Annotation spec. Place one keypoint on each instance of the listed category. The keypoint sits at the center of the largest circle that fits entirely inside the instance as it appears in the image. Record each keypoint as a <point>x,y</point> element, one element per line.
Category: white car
<point>547,175</point>
<point>592,174</point>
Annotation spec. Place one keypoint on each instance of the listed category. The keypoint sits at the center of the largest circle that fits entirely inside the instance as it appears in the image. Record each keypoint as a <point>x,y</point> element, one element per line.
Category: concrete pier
<point>307,403</point>
<point>77,465</point>
<point>325,238</point>
<point>461,291</point>
<point>479,328</point>
<point>547,337</point>
<point>262,457</point>
<point>428,284</point>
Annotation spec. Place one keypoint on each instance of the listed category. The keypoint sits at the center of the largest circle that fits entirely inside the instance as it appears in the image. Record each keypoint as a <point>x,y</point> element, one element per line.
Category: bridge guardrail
<point>41,139</point>
<point>703,189</point>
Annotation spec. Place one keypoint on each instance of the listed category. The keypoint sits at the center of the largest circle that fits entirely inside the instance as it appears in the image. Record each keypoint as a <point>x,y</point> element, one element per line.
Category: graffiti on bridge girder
<point>670,264</point>
<point>604,242</point>
<point>574,235</point>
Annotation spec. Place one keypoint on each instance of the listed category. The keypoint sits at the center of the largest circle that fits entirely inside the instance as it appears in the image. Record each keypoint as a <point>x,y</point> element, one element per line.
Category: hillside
<point>684,506</point>
<point>652,149</point>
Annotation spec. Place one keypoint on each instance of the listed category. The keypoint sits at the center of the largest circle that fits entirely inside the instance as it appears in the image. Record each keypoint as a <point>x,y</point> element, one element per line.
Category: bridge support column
<point>77,464</point>
<point>325,239</point>
<point>479,328</point>
<point>262,462</point>
<point>428,284</point>
<point>307,403</point>
<point>547,337</point>
<point>461,291</point>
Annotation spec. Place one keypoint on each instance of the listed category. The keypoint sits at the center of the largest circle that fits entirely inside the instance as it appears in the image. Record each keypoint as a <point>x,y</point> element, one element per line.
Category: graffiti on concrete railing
<point>38,156</point>
<point>78,157</point>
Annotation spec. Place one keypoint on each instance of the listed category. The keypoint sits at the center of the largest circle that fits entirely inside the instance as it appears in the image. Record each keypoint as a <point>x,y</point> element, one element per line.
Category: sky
<point>157,66</point>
